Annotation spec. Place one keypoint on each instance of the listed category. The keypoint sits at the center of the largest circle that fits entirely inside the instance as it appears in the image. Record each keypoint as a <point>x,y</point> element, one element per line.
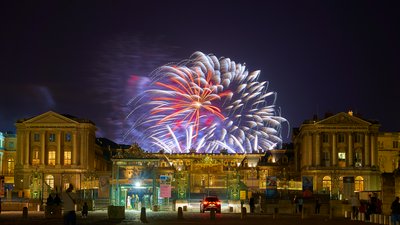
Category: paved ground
<point>170,218</point>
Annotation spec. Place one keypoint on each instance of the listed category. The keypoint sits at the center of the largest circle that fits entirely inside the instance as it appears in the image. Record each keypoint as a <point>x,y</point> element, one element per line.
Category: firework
<point>204,105</point>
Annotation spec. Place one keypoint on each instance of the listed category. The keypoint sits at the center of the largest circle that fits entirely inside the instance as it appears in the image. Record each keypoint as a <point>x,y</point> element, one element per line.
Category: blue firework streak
<point>205,104</point>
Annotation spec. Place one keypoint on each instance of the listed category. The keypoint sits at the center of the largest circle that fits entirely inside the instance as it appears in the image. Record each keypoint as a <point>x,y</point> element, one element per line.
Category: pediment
<point>50,118</point>
<point>343,119</point>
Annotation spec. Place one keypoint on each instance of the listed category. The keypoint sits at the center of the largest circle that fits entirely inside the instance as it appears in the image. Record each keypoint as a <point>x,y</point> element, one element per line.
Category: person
<point>317,205</point>
<point>57,200</point>
<point>355,205</point>
<point>296,203</point>
<point>50,200</point>
<point>128,202</point>
<point>68,199</point>
<point>395,207</point>
<point>85,210</point>
<point>252,204</point>
<point>300,205</point>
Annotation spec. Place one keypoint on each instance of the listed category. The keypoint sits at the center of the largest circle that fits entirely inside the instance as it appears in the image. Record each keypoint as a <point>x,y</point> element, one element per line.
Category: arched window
<point>49,181</point>
<point>326,184</point>
<point>359,183</point>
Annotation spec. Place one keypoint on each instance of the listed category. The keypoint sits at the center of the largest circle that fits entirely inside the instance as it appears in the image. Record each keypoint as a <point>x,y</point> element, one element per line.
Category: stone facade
<point>340,153</point>
<point>55,150</point>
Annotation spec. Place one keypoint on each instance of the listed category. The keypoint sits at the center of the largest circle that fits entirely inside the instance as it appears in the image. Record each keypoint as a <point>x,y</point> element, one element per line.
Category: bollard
<point>143,217</point>
<point>385,219</point>
<point>243,213</point>
<point>380,219</point>
<point>212,214</point>
<point>25,212</point>
<point>362,216</point>
<point>180,213</point>
<point>331,212</point>
<point>303,214</point>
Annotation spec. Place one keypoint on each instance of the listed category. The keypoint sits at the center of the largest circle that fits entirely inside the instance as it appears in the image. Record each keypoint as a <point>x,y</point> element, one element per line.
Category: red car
<point>210,202</point>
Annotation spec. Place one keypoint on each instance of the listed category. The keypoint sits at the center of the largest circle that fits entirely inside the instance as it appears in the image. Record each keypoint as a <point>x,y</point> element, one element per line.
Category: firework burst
<point>206,104</point>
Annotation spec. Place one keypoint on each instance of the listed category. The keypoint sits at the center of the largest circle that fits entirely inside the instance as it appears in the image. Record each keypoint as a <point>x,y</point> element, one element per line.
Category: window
<point>325,138</point>
<point>11,145</point>
<point>52,158</point>
<point>35,159</point>
<point>359,184</point>
<point>341,138</point>
<point>52,137</point>
<point>341,159</point>
<point>326,183</point>
<point>358,159</point>
<point>67,158</point>
<point>49,181</point>
<point>325,158</point>
<point>342,155</point>
<point>357,138</point>
<point>395,144</point>
<point>36,137</point>
<point>68,137</point>
<point>10,165</point>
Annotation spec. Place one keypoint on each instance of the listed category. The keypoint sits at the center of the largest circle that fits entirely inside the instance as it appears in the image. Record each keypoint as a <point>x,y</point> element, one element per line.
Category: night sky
<point>84,57</point>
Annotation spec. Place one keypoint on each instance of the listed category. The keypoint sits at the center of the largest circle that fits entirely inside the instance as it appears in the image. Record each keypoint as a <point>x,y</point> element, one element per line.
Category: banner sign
<point>307,186</point>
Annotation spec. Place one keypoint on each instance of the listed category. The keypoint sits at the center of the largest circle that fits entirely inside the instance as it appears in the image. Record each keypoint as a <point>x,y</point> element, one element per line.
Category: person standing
<point>300,205</point>
<point>252,204</point>
<point>355,205</point>
<point>85,210</point>
<point>395,207</point>
<point>69,200</point>
<point>317,205</point>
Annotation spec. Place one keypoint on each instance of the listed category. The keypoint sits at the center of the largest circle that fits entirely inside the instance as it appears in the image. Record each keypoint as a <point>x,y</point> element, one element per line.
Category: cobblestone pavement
<point>170,218</point>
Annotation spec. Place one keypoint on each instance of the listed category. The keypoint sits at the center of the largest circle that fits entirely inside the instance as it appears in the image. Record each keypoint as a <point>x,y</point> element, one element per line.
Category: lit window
<point>52,158</point>
<point>358,159</point>
<point>326,183</point>
<point>359,184</point>
<point>52,137</point>
<point>10,165</point>
<point>67,158</point>
<point>68,137</point>
<point>50,181</point>
<point>342,155</point>
<point>35,159</point>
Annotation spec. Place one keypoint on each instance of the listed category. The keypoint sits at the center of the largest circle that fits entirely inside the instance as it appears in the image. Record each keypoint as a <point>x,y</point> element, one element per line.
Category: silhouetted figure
<point>85,210</point>
<point>317,205</point>
<point>252,205</point>
<point>57,200</point>
<point>50,200</point>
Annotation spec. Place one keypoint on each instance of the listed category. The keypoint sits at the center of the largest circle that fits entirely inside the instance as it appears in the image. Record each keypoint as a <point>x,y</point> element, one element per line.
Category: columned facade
<point>53,151</point>
<point>339,146</point>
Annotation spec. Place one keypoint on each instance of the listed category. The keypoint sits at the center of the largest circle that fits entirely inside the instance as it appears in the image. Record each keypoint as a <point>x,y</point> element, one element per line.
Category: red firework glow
<point>193,95</point>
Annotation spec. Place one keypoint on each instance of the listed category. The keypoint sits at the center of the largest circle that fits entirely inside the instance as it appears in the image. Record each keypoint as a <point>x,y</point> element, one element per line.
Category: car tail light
<point>218,203</point>
<point>205,202</point>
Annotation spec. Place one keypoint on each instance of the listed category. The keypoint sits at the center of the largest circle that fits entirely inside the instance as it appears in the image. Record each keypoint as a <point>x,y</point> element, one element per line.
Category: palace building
<point>336,156</point>
<point>339,154</point>
<point>55,150</point>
